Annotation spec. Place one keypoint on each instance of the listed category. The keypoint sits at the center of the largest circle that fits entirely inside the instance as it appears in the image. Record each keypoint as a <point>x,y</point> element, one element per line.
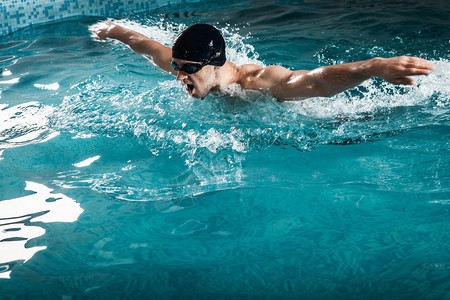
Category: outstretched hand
<point>100,31</point>
<point>397,69</point>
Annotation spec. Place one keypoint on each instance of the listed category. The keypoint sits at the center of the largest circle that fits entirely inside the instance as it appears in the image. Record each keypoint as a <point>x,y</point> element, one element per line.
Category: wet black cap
<point>200,43</point>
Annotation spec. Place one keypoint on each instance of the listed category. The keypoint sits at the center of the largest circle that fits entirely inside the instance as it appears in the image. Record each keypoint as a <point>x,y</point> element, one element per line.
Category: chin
<point>199,96</point>
<point>194,96</point>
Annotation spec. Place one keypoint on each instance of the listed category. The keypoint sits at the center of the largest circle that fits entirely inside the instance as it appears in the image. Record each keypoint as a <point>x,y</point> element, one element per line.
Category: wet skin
<point>198,84</point>
<point>277,81</point>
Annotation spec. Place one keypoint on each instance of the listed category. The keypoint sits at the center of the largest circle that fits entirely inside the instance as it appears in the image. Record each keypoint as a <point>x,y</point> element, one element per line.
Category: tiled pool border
<point>17,14</point>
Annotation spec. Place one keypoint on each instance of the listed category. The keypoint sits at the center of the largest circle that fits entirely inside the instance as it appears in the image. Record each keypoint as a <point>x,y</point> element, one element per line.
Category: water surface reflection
<point>18,225</point>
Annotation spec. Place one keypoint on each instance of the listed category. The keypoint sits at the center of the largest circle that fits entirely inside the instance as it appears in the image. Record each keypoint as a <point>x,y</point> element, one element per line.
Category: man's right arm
<point>159,54</point>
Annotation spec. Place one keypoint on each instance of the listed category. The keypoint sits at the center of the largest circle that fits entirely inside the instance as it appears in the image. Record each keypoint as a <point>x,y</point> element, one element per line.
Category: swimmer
<point>197,59</point>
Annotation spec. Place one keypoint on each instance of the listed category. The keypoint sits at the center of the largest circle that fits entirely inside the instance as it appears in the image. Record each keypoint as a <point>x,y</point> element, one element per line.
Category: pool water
<point>115,184</point>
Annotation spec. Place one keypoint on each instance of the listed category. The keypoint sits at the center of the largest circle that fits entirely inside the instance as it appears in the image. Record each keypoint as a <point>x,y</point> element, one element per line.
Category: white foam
<point>25,124</point>
<point>213,135</point>
<point>371,97</point>
<point>51,86</point>
<point>164,33</point>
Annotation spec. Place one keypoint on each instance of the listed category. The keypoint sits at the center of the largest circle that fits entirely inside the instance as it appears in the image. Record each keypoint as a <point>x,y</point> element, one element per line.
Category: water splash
<point>25,124</point>
<point>212,136</point>
<point>165,32</point>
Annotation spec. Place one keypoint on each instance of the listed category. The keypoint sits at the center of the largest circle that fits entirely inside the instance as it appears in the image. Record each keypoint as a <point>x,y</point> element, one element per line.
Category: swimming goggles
<point>189,68</point>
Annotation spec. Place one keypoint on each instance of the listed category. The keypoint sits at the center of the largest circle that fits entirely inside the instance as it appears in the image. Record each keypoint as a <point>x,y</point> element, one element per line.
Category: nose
<point>181,75</point>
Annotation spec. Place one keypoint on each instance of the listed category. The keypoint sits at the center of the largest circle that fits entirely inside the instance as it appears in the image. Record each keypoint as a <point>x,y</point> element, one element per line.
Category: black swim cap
<point>200,43</point>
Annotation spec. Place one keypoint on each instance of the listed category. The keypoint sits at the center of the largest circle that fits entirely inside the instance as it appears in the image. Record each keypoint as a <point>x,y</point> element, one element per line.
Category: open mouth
<point>190,88</point>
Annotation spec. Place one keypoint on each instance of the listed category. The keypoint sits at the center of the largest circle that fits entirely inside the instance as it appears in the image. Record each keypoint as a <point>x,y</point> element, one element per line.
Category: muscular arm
<point>328,81</point>
<point>159,54</point>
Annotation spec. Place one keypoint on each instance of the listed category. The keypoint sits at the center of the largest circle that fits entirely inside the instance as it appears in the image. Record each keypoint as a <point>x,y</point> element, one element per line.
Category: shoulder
<point>255,70</point>
<point>254,76</point>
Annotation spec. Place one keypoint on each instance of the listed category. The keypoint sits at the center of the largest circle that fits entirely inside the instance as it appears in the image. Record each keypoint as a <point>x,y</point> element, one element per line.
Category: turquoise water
<point>115,184</point>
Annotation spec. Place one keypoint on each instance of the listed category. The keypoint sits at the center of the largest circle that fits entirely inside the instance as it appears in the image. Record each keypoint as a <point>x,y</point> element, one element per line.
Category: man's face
<point>197,84</point>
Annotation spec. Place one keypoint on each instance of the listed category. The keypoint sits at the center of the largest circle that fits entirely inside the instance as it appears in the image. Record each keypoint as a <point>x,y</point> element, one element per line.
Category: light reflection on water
<point>16,215</point>
<point>25,124</point>
<point>232,207</point>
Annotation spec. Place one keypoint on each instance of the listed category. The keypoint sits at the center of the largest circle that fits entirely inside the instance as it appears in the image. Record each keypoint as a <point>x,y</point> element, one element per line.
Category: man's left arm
<point>331,80</point>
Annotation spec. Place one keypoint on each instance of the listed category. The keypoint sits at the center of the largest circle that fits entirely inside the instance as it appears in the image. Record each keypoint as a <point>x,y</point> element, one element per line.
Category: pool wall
<point>17,14</point>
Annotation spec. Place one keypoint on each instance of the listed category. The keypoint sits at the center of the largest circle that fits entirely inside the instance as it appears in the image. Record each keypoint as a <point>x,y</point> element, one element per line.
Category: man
<point>198,60</point>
